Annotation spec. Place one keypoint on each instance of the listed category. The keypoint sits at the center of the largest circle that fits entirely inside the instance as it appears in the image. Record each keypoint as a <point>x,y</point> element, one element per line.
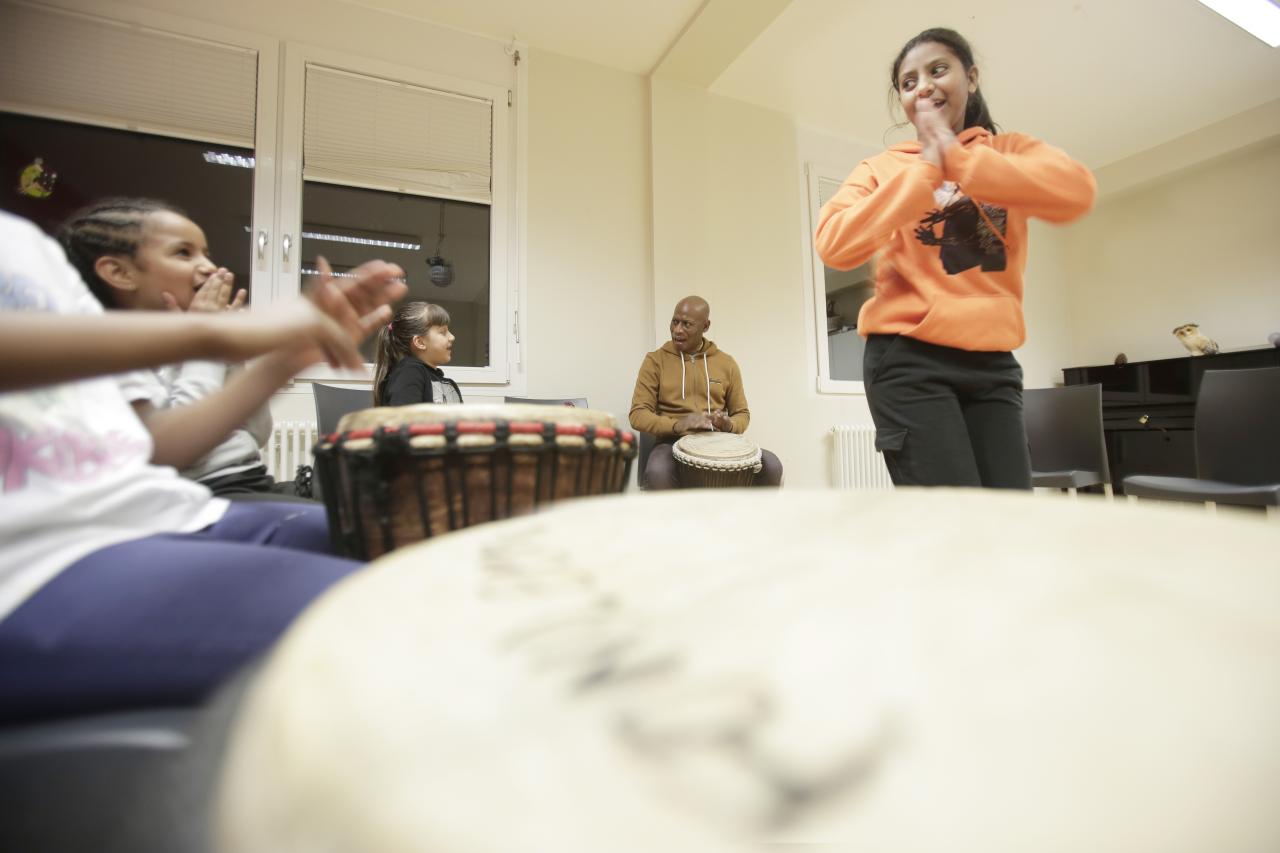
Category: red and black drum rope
<point>371,473</point>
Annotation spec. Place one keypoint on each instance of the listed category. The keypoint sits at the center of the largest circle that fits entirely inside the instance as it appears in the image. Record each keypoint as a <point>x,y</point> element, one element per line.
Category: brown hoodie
<point>669,387</point>
<point>950,256</point>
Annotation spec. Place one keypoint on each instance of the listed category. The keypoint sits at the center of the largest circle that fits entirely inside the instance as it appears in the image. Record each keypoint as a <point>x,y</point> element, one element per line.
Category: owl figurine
<point>1195,342</point>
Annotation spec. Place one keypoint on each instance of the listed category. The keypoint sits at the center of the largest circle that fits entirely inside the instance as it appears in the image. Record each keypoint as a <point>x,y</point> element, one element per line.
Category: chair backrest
<point>1064,429</point>
<point>1238,426</point>
<point>334,401</point>
<point>576,402</point>
<point>642,455</point>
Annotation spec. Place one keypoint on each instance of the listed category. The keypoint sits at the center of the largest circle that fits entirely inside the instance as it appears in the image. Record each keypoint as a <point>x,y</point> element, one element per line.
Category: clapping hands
<point>936,136</point>
<point>214,295</point>
<point>343,312</point>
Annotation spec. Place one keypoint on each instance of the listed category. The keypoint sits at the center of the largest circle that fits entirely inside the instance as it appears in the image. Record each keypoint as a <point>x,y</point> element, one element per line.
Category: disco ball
<point>439,271</point>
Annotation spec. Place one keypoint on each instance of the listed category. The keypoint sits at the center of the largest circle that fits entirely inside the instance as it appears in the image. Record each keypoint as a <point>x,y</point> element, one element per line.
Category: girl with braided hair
<point>123,585</point>
<point>145,254</point>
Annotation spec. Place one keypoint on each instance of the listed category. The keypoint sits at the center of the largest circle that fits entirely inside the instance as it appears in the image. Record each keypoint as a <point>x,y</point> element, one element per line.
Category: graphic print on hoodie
<point>967,240</point>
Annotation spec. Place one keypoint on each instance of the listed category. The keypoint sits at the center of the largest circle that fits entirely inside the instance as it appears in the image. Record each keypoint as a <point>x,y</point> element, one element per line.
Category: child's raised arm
<point>40,349</point>
<point>342,315</point>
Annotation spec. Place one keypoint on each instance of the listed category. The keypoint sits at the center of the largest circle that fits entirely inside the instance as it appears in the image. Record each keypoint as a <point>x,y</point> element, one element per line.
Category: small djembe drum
<point>395,475</point>
<point>715,460</point>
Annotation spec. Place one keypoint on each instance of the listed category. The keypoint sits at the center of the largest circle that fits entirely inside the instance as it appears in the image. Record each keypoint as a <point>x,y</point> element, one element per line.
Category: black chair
<point>117,782</point>
<point>642,456</point>
<point>1237,445</point>
<point>575,402</point>
<point>334,401</point>
<point>1064,432</point>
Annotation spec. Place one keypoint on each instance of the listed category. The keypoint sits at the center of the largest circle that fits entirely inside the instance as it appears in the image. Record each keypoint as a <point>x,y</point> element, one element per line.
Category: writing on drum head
<point>714,737</point>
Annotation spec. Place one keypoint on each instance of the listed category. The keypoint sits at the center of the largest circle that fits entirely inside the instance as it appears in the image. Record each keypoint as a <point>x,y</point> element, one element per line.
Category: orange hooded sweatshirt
<point>951,243</point>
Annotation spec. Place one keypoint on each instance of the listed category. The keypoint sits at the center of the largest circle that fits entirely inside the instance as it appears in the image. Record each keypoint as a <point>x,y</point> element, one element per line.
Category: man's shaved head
<point>689,322</point>
<point>695,305</point>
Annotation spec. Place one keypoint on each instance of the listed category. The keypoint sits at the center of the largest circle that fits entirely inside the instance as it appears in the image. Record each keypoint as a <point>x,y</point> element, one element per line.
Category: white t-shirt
<point>179,385</point>
<point>74,458</point>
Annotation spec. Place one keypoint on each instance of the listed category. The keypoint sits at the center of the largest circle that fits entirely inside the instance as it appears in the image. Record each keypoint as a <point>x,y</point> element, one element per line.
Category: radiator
<point>289,447</point>
<point>857,464</point>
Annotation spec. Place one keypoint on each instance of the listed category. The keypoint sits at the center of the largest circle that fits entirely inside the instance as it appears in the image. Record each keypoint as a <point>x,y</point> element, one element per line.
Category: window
<point>283,153</point>
<point>116,108</point>
<point>79,163</point>
<point>348,225</point>
<point>837,297</point>
<point>381,160</point>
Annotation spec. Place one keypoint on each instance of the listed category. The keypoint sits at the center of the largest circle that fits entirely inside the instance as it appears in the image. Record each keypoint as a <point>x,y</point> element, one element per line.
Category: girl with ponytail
<point>945,218</point>
<point>411,349</point>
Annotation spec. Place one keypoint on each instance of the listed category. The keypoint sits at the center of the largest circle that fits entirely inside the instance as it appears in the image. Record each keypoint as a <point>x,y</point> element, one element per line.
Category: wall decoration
<point>34,181</point>
<point>1195,342</point>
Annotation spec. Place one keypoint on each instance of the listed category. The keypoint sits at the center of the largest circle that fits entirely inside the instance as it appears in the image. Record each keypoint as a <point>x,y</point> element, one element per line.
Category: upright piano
<point>1148,408</point>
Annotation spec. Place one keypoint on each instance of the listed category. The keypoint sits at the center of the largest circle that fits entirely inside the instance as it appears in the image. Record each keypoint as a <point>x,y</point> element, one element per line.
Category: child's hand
<point>360,303</point>
<point>327,324</point>
<point>935,135</point>
<point>214,295</point>
<point>344,311</point>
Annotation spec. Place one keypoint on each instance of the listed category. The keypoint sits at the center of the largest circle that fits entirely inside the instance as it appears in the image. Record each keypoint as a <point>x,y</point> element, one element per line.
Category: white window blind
<point>63,65</point>
<point>369,132</point>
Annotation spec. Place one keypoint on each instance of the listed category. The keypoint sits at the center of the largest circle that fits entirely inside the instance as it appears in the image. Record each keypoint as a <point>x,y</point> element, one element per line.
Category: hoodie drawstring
<point>707,373</point>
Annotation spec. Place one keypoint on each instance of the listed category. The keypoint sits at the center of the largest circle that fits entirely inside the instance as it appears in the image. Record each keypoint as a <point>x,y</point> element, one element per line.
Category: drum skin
<point>919,670</point>
<point>393,476</point>
<point>715,460</point>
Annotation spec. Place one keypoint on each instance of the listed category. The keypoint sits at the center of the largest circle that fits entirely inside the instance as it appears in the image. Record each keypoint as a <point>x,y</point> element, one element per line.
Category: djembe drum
<point>910,671</point>
<point>395,475</point>
<point>715,460</point>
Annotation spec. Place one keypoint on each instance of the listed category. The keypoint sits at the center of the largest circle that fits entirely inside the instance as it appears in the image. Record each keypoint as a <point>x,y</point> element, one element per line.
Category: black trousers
<point>947,417</point>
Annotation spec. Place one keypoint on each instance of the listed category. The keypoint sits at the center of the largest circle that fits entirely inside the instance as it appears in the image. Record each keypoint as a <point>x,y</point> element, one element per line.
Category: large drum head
<point>717,459</point>
<point>717,451</point>
<point>913,671</point>
<point>393,417</point>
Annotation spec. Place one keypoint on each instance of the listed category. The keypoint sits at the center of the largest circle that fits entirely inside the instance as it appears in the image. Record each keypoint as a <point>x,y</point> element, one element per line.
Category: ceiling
<point>627,36</point>
<point>1104,79</point>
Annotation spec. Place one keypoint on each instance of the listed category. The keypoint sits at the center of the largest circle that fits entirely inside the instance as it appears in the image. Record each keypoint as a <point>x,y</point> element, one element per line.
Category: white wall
<point>727,210</point>
<point>1046,307</point>
<point>589,268</point>
<point>1200,246</point>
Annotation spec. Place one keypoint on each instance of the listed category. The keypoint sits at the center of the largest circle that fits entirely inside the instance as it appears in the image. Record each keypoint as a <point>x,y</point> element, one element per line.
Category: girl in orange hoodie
<point>946,219</point>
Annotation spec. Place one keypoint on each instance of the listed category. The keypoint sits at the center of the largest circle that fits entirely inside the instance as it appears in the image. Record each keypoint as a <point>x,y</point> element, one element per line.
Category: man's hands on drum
<point>717,421</point>
<point>693,422</point>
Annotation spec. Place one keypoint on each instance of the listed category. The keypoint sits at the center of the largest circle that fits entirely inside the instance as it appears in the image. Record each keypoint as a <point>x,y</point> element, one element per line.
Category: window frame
<point>813,173</point>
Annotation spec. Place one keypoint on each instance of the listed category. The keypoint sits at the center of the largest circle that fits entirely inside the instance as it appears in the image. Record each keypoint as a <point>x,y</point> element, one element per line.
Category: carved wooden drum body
<point>919,670</point>
<point>392,476</point>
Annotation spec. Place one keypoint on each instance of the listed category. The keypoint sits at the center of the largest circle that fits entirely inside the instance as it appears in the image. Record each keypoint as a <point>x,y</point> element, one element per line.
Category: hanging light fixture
<point>439,270</point>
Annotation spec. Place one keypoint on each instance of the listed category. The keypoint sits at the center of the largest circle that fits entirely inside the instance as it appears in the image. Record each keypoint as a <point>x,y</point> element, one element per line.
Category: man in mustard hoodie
<point>689,385</point>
